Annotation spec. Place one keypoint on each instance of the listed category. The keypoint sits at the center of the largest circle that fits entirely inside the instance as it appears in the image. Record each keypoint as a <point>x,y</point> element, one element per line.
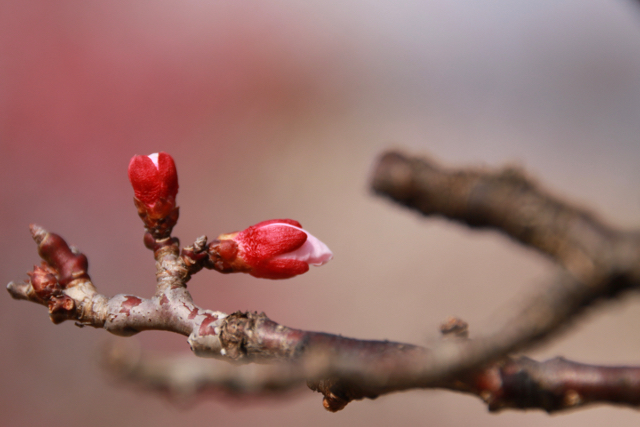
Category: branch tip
<point>37,233</point>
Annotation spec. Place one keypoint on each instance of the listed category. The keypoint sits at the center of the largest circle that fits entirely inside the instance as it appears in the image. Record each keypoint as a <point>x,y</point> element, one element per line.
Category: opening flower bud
<point>275,249</point>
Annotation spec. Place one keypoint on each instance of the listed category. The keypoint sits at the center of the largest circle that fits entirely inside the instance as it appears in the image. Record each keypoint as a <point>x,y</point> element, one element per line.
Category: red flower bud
<point>154,178</point>
<point>155,183</point>
<point>275,249</point>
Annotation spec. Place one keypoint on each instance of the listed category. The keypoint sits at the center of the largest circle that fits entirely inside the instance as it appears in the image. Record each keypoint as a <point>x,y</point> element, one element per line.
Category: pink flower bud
<point>275,249</point>
<point>155,182</point>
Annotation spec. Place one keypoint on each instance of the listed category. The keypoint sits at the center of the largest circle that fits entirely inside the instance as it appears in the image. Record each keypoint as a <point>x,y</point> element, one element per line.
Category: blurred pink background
<point>278,109</point>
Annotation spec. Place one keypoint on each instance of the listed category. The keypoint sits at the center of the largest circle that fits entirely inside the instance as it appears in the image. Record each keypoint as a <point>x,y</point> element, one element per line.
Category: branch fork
<point>596,262</point>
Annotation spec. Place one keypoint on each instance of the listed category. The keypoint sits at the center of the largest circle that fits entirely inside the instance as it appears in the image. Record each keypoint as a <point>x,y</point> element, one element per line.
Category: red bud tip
<point>154,179</point>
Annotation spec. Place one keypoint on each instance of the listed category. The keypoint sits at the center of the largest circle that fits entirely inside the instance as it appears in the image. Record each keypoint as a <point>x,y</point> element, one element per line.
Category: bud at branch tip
<point>274,249</point>
<point>154,179</point>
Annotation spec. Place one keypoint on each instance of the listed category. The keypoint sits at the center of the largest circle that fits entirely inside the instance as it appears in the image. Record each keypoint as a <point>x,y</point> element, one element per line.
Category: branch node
<point>454,327</point>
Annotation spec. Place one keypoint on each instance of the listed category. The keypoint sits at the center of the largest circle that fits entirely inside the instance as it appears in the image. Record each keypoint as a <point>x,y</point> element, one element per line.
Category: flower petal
<point>279,221</point>
<point>265,242</point>
<point>168,175</point>
<point>144,178</point>
<point>313,252</point>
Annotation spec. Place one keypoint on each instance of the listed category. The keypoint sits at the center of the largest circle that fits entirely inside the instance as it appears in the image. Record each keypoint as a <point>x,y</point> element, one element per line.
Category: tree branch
<point>508,201</point>
<point>596,262</point>
<point>514,383</point>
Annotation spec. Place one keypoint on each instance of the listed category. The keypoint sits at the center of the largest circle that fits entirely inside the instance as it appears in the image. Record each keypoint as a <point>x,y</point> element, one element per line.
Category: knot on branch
<point>454,327</point>
<point>236,331</point>
<point>339,392</point>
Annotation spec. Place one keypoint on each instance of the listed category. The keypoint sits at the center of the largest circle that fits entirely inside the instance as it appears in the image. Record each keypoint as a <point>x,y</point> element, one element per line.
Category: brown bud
<point>61,308</point>
<point>44,283</point>
<point>55,251</point>
<point>191,257</point>
<point>195,256</point>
